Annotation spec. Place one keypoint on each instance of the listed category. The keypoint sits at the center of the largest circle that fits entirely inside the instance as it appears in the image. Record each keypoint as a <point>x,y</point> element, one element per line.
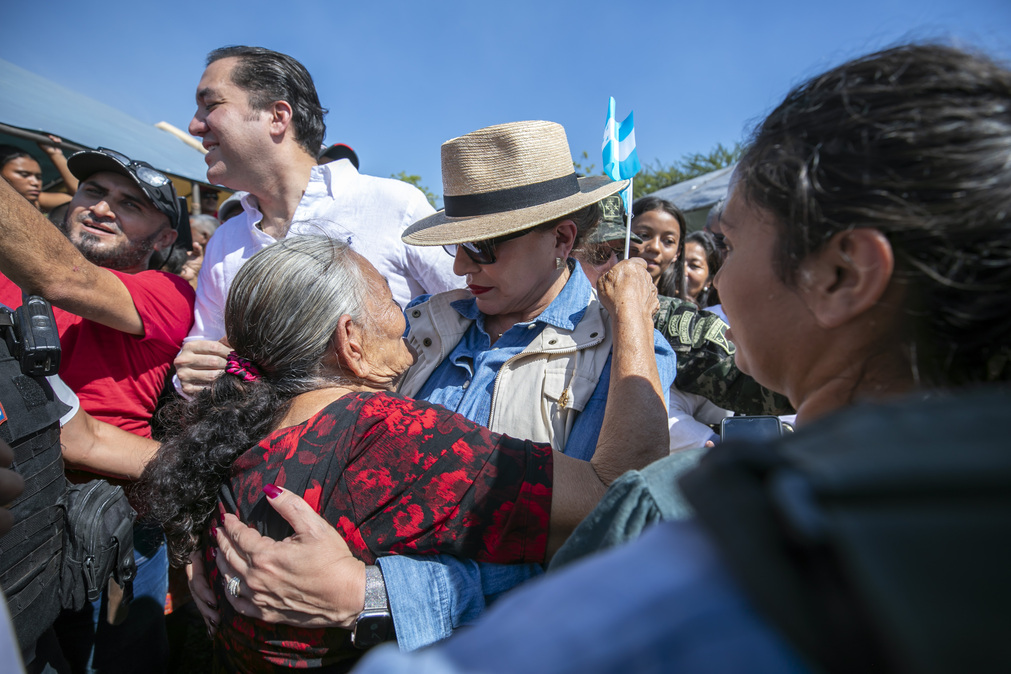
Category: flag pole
<point>628,219</point>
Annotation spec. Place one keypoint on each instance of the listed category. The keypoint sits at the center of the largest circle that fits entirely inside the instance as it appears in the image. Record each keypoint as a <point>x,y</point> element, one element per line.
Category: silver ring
<point>233,586</point>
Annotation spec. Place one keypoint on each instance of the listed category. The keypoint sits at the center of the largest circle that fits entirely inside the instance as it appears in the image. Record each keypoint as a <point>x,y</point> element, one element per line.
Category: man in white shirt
<point>262,125</point>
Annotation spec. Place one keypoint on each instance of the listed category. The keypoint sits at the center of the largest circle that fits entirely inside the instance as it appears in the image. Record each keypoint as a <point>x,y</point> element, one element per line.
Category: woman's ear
<point>565,238</point>
<point>848,277</point>
<point>349,347</point>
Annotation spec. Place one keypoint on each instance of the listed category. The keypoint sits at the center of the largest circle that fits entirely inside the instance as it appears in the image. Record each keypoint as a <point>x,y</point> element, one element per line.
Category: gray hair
<point>204,223</point>
<point>285,303</point>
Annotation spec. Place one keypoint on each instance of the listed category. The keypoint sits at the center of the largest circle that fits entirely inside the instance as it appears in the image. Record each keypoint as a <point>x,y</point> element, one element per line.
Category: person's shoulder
<point>403,194</point>
<point>155,282</point>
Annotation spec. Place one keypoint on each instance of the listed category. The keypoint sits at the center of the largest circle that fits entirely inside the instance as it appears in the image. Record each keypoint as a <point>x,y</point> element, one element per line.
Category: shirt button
<point>531,326</point>
<point>466,384</point>
<point>427,341</point>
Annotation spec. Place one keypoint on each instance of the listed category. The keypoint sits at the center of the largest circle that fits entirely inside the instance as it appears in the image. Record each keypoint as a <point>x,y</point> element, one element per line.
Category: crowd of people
<point>373,421</point>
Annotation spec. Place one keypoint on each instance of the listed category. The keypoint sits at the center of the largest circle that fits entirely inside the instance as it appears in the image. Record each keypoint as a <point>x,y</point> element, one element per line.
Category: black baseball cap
<point>339,151</point>
<point>155,184</point>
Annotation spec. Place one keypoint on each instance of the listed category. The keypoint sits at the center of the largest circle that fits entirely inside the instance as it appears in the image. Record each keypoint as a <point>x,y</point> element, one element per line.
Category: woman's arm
<point>634,432</point>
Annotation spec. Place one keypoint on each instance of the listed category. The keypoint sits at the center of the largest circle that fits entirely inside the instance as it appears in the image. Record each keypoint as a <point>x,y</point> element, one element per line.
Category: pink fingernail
<point>271,491</point>
<point>214,532</point>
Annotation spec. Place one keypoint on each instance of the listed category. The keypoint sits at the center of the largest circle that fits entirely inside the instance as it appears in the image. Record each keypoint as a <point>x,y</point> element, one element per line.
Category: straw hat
<point>504,179</point>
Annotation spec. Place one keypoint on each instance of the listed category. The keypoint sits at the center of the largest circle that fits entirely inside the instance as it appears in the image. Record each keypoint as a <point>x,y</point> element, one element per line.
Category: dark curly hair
<point>914,141</point>
<point>282,310</point>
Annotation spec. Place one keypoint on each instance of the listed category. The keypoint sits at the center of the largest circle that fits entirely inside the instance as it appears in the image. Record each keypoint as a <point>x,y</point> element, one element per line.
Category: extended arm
<point>50,200</point>
<point>98,447</point>
<point>634,432</point>
<point>39,259</point>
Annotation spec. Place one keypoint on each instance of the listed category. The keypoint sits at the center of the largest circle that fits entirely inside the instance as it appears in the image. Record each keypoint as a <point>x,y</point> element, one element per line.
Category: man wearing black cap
<point>120,325</point>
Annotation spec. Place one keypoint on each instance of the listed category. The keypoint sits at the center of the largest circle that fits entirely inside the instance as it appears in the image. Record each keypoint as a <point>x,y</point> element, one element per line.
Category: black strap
<point>511,199</point>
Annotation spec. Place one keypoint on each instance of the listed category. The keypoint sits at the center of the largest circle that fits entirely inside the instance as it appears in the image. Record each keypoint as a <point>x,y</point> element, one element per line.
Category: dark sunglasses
<point>483,252</point>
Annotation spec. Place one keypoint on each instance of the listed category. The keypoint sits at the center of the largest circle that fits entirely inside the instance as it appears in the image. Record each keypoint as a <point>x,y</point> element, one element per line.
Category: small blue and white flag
<point>620,158</point>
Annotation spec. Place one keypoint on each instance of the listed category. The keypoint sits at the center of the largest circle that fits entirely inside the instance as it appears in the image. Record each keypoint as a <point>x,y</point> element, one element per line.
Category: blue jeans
<point>140,643</point>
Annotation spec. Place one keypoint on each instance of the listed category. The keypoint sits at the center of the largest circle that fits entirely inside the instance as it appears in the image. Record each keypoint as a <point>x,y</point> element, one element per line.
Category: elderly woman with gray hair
<point>307,405</point>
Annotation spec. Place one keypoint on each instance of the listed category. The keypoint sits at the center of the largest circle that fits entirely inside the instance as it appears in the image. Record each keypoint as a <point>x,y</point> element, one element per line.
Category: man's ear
<point>347,341</point>
<point>165,239</point>
<point>280,117</point>
<point>848,276</point>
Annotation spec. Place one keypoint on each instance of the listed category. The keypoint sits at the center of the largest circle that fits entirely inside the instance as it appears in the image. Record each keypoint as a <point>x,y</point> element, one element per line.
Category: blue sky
<point>400,78</point>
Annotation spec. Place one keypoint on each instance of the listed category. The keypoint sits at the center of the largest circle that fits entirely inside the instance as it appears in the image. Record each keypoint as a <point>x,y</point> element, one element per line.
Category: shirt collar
<point>564,312</point>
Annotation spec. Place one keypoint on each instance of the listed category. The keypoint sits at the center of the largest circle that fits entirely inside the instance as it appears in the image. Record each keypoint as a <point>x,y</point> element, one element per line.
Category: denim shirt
<point>664,602</point>
<point>431,596</point>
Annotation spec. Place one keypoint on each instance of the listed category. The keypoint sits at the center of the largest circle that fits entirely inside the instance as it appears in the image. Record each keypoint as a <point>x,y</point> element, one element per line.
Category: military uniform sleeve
<point>705,361</point>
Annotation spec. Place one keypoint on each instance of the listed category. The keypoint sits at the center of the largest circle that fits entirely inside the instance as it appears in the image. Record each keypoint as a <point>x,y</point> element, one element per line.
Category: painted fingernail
<point>214,553</point>
<point>271,491</point>
<point>214,532</point>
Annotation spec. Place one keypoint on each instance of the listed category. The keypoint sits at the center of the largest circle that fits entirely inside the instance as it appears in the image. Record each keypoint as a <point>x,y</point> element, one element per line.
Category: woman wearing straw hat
<point>525,348</point>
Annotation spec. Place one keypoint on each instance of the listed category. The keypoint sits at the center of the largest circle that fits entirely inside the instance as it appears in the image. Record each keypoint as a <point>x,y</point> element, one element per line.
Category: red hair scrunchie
<point>241,367</point>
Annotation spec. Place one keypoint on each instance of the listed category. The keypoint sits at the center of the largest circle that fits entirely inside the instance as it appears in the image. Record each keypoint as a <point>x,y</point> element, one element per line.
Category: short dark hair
<point>269,76</point>
<point>913,141</point>
<point>671,282</point>
<point>9,153</point>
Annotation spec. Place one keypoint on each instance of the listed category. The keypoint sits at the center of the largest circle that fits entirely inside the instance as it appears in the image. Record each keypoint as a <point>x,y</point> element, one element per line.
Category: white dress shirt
<point>367,212</point>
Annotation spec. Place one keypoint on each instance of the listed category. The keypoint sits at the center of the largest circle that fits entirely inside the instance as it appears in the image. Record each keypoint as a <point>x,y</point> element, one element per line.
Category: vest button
<point>415,313</point>
<point>427,341</point>
<point>552,341</point>
<point>593,334</point>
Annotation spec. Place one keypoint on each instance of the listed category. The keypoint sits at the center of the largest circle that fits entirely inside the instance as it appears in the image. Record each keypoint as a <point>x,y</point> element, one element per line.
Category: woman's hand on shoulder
<point>627,286</point>
<point>309,579</point>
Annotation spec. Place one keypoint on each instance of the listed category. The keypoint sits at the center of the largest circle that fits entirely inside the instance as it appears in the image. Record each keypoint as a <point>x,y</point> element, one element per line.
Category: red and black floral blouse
<point>393,476</point>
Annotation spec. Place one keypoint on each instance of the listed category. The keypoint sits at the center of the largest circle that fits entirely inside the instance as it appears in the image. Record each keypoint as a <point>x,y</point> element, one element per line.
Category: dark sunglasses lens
<point>482,252</point>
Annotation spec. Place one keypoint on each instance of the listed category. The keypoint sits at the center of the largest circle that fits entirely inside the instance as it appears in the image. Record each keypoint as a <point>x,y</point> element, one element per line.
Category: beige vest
<point>539,392</point>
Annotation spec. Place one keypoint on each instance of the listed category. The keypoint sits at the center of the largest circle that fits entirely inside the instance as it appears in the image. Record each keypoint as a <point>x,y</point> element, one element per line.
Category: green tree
<point>416,181</point>
<point>656,176</point>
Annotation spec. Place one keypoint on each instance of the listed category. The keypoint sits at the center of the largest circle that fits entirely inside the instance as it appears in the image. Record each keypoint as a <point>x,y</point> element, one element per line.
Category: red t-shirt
<point>394,476</point>
<point>117,376</point>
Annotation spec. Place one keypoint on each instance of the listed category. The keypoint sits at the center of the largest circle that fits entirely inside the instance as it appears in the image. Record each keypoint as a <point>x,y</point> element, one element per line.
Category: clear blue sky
<point>400,78</point>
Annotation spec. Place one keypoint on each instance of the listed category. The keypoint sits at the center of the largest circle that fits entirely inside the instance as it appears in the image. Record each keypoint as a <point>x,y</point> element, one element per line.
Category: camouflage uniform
<point>706,364</point>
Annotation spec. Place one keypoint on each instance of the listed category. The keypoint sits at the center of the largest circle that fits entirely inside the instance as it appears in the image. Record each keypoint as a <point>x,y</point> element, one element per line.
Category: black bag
<point>876,540</point>
<point>97,542</point>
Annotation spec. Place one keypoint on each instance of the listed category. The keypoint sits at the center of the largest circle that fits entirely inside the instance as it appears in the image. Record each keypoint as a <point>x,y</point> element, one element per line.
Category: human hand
<point>11,486</point>
<point>54,148</point>
<point>309,579</point>
<point>627,286</point>
<point>203,595</point>
<point>199,363</point>
<point>194,261</point>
